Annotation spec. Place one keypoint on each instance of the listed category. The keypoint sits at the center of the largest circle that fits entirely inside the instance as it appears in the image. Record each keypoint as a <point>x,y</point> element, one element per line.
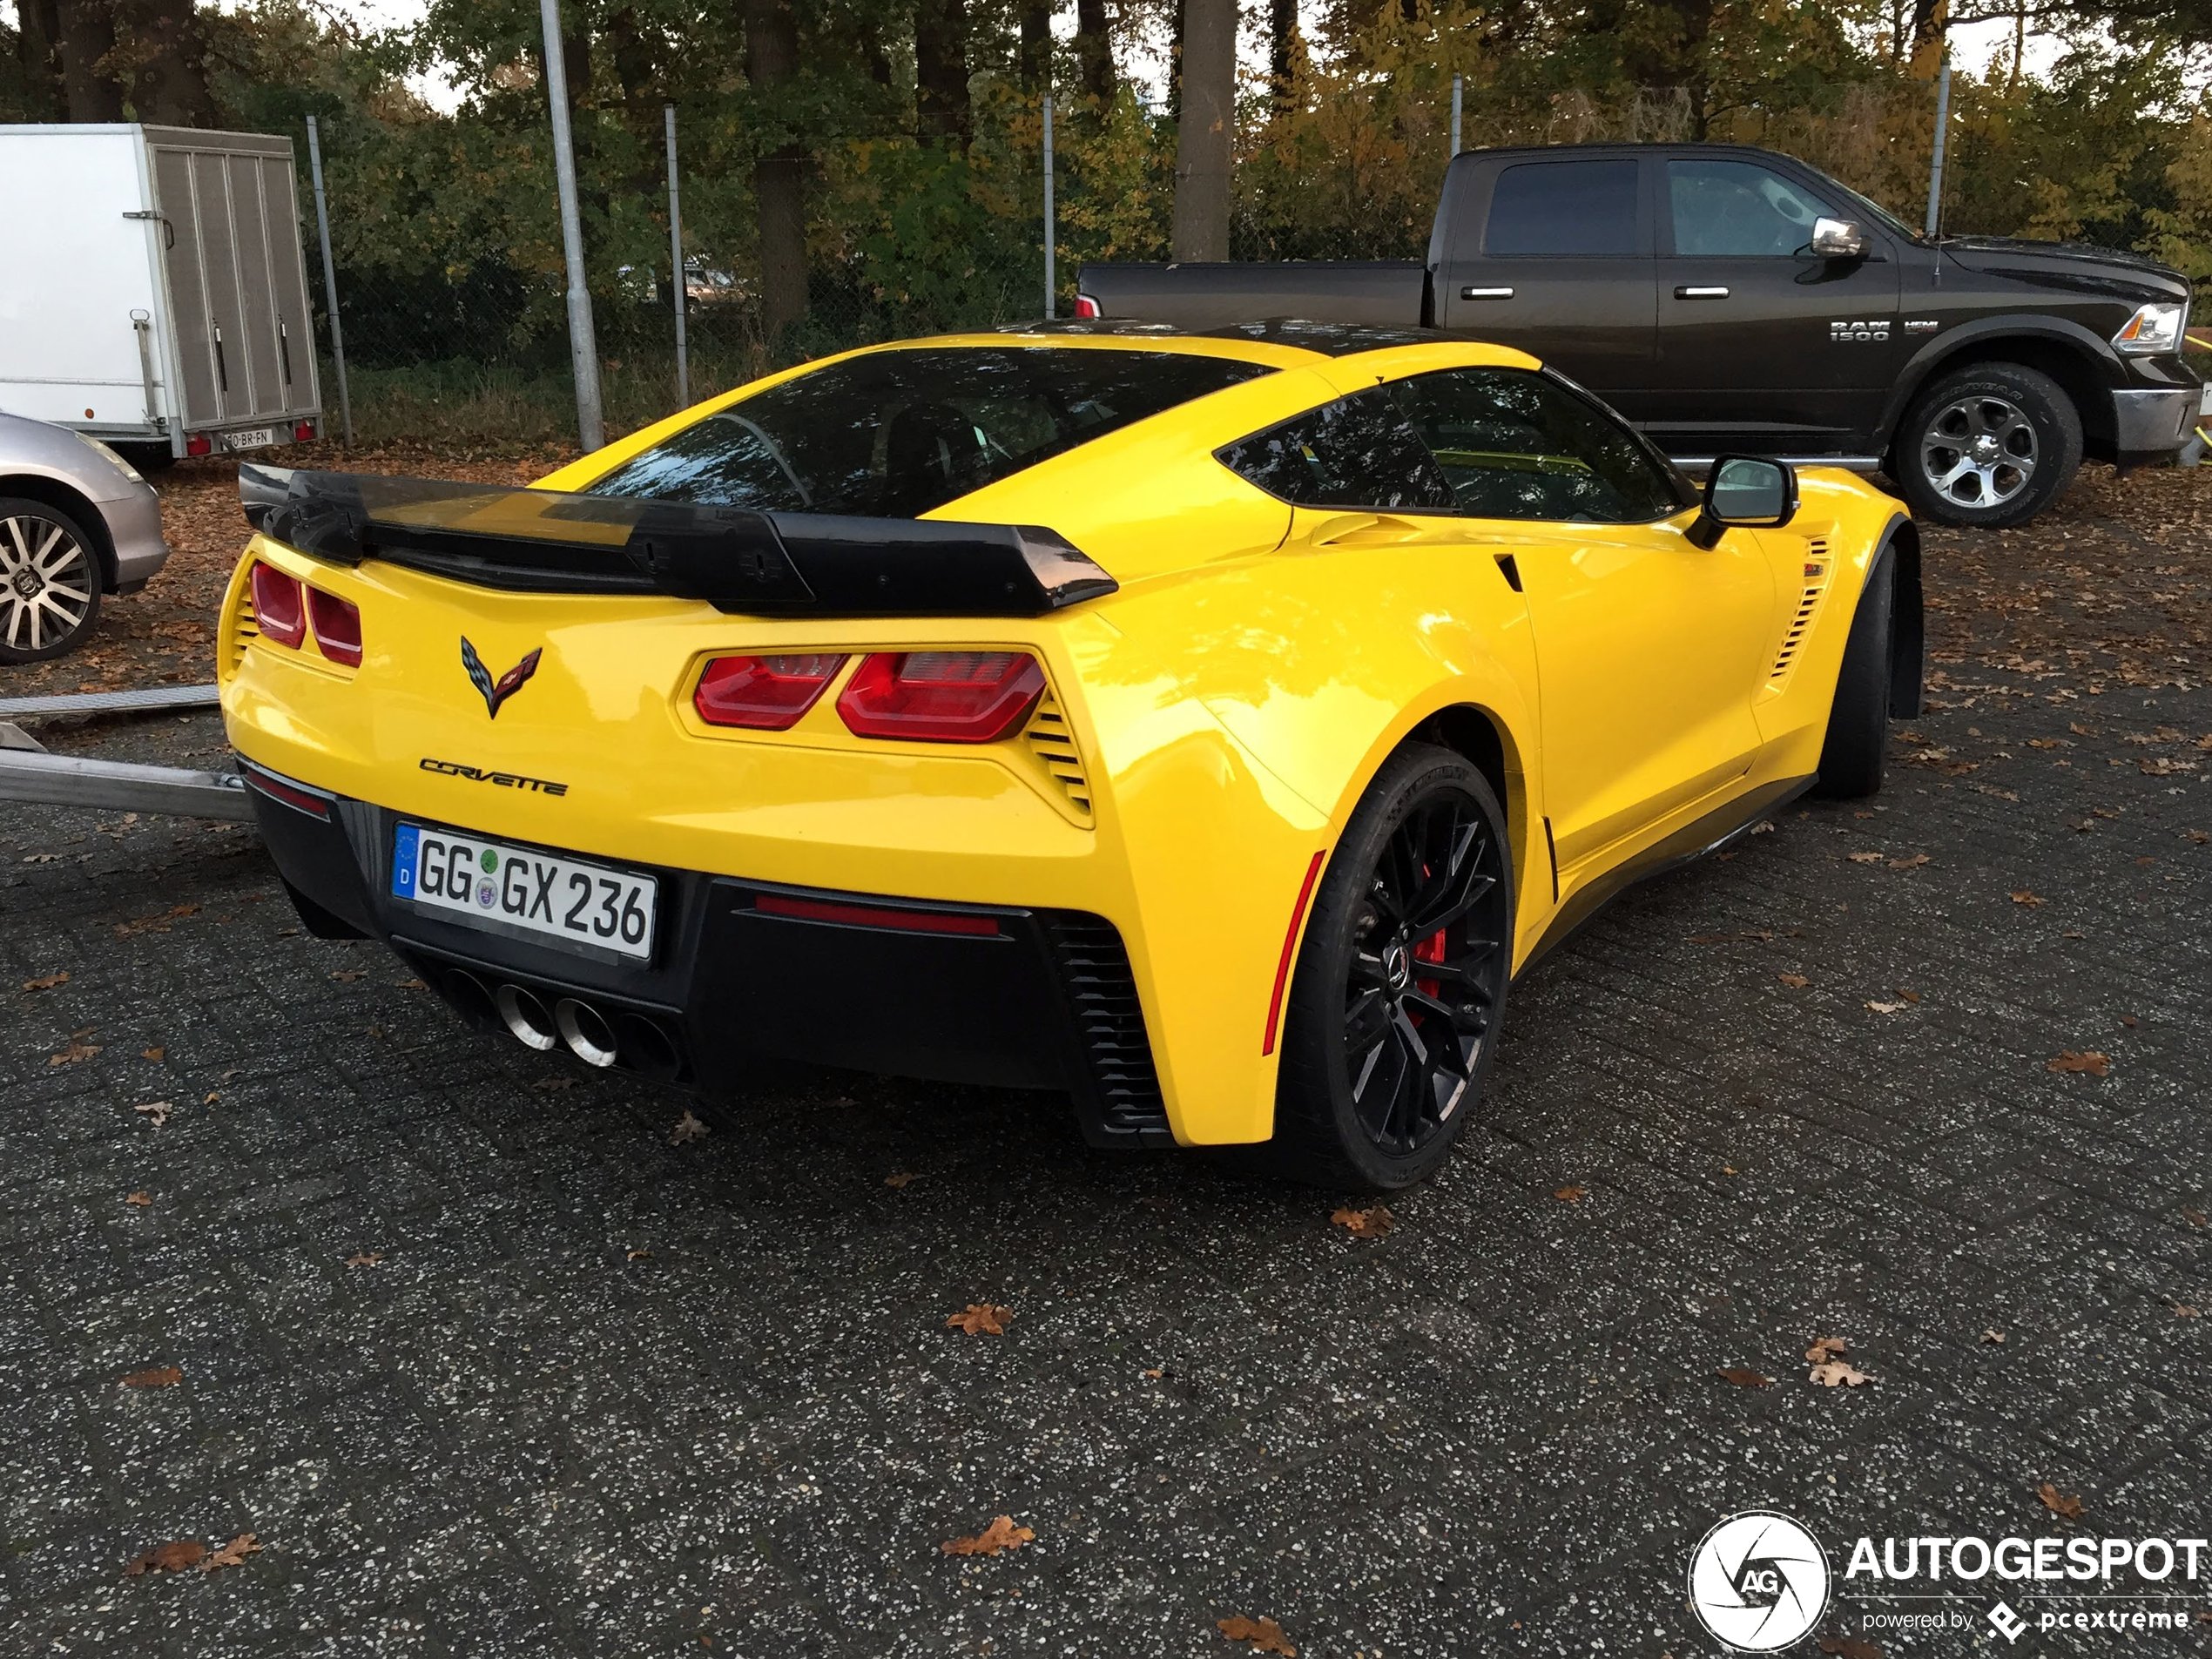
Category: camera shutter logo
<point>1759,1581</point>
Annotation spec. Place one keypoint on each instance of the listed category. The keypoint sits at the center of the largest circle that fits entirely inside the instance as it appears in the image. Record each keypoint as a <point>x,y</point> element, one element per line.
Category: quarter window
<point>1357,452</point>
<point>1735,209</point>
<point>1512,444</point>
<point>1564,208</point>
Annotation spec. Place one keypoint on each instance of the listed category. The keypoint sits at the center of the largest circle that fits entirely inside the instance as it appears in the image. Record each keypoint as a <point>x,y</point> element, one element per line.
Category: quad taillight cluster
<point>922,695</point>
<point>285,608</point>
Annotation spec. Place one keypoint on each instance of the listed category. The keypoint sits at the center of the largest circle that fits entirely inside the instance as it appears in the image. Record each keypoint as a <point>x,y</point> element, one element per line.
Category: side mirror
<point>1744,490</point>
<point>1838,238</point>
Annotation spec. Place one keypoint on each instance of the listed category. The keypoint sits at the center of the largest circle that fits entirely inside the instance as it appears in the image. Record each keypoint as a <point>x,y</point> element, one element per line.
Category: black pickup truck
<point>1729,299</point>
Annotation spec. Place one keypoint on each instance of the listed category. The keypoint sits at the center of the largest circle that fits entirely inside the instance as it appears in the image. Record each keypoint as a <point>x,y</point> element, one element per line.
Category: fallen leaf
<point>2093,1062</point>
<point>140,1198</point>
<point>1264,1635</point>
<point>408,985</point>
<point>348,975</point>
<point>2129,1021</point>
<point>981,1318</point>
<point>637,1256</point>
<point>363,1258</point>
<point>2183,1310</point>
<point>1152,1375</point>
<point>1909,997</point>
<point>1727,1168</point>
<point>688,1128</point>
<point>1995,1336</point>
<point>548,1084</point>
<point>169,1558</point>
<point>900,1178</point>
<point>154,1053</point>
<point>1885,1007</point>
<point>1867,858</point>
<point>1001,1533</point>
<point>156,1112</point>
<point>1795,982</point>
<point>1568,1195</point>
<point>75,1052</point>
<point>211,1097</point>
<point>1850,1648</point>
<point>232,1554</point>
<point>2195,1217</point>
<point>1912,863</point>
<point>1373,1223</point>
<point>2070,1507</point>
<point>1764,827</point>
<point>154,1376</point>
<point>1838,1371</point>
<point>1826,1348</point>
<point>47,983</point>
<point>1744,1379</point>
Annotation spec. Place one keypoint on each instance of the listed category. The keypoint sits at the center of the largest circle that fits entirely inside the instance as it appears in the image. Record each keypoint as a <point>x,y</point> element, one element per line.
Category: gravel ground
<point>488,1365</point>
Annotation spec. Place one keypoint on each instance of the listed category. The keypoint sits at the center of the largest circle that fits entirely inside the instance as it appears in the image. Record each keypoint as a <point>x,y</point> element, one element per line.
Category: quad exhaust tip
<point>526,1016</point>
<point>586,1032</point>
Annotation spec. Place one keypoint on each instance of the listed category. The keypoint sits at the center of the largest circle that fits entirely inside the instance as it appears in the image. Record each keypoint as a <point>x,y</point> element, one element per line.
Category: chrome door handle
<point>1701,294</point>
<point>1486,294</point>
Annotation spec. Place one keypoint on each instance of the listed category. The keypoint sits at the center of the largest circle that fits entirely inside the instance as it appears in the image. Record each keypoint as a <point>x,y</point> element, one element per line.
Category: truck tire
<point>49,581</point>
<point>1393,1022</point>
<point>1858,718</point>
<point>1988,446</point>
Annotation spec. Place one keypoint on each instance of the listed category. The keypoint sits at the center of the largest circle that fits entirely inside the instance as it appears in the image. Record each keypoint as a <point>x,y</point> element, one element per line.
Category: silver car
<point>76,520</point>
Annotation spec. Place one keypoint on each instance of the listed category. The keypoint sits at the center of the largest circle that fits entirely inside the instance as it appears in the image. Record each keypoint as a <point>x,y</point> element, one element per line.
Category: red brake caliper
<point>1430,950</point>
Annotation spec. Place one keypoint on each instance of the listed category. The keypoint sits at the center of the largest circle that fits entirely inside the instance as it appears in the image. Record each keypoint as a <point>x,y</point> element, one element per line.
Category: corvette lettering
<point>504,779</point>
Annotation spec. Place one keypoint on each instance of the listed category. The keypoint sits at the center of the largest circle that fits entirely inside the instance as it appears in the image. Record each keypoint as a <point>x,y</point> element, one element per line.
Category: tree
<point>780,176</point>
<point>166,50</point>
<point>1037,45</point>
<point>39,57</point>
<point>87,39</point>
<point>941,108</point>
<point>1094,52</point>
<point>1204,131</point>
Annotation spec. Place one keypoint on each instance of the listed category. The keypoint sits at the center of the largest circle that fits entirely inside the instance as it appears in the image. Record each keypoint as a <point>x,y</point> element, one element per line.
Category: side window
<point>1512,444</point>
<point>1564,208</point>
<point>1357,452</point>
<point>1737,209</point>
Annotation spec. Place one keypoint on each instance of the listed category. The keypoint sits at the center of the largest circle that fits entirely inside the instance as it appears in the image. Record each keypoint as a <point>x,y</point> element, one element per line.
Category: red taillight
<point>767,694</point>
<point>338,627</point>
<point>1087,307</point>
<point>942,696</point>
<point>304,432</point>
<point>279,612</point>
<point>200,445</point>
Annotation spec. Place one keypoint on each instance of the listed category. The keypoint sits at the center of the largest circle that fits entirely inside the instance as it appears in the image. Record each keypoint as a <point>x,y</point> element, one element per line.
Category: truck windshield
<point>894,433</point>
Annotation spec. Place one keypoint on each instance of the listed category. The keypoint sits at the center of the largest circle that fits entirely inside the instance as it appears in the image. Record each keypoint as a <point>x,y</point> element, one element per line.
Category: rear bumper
<point>1006,996</point>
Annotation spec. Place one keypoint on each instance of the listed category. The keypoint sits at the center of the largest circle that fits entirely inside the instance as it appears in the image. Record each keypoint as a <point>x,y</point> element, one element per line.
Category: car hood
<point>2075,265</point>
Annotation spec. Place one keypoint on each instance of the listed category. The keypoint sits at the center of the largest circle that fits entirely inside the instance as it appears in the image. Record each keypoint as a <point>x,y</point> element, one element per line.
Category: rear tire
<point>1859,718</point>
<point>1411,940</point>
<point>1988,447</point>
<point>49,581</point>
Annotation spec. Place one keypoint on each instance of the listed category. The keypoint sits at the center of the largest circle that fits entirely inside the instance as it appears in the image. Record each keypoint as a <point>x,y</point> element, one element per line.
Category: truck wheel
<point>1988,447</point>
<point>49,581</point>
<point>1395,1010</point>
<point>1859,718</point>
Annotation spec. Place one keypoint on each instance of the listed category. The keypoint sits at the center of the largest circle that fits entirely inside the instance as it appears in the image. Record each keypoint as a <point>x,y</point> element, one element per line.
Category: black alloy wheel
<point>1394,1013</point>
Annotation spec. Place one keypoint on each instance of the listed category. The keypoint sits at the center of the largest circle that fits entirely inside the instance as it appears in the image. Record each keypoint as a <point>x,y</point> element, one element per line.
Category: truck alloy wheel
<point>1979,451</point>
<point>49,583</point>
<point>1988,447</point>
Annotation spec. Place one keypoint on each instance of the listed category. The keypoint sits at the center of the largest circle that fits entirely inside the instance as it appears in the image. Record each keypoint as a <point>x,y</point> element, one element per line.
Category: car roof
<point>1324,339</point>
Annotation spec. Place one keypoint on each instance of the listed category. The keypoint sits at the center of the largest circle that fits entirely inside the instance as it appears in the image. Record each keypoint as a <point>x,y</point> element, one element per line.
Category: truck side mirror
<point>1744,490</point>
<point>1838,238</point>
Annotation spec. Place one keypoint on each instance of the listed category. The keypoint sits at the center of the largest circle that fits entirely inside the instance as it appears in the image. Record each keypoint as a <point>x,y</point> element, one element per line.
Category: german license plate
<point>489,885</point>
<point>254,437</point>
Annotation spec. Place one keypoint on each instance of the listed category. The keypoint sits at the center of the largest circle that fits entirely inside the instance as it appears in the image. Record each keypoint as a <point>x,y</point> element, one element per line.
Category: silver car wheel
<point>46,582</point>
<point>1979,451</point>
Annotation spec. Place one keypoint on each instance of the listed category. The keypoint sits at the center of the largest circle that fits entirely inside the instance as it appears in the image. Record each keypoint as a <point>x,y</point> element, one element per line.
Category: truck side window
<point>1586,209</point>
<point>1515,445</point>
<point>1357,452</point>
<point>1735,209</point>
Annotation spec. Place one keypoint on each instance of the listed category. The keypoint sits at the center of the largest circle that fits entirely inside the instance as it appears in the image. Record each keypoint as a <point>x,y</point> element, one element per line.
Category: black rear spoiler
<point>736,559</point>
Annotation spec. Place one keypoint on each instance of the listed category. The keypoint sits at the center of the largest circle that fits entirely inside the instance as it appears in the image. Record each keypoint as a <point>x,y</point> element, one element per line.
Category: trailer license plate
<point>504,889</point>
<point>254,437</point>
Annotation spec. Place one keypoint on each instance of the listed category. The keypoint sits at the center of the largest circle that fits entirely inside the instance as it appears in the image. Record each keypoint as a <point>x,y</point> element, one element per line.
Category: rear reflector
<point>913,921</point>
<point>279,612</point>
<point>942,696</point>
<point>338,627</point>
<point>1086,306</point>
<point>199,445</point>
<point>304,432</point>
<point>766,693</point>
<point>277,789</point>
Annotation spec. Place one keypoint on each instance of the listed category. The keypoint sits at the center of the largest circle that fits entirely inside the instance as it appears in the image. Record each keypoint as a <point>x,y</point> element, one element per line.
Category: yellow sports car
<point>1208,726</point>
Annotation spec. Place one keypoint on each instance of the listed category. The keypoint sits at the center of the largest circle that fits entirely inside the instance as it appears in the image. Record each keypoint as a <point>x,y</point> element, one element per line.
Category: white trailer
<point>158,294</point>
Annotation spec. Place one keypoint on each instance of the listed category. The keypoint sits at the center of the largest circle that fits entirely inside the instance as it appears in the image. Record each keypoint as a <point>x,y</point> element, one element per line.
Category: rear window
<point>895,434</point>
<point>1564,208</point>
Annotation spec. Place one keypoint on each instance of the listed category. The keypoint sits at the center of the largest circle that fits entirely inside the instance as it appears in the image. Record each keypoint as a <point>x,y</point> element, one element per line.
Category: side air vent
<point>1110,1023</point>
<point>1054,745</point>
<point>243,632</point>
<point>1816,583</point>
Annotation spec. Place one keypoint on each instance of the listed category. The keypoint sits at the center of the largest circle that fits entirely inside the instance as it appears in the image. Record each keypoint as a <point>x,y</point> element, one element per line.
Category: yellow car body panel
<point>1229,703</point>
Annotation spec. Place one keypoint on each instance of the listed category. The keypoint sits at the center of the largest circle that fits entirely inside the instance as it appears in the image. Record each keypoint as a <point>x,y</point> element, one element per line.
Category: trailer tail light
<point>1087,307</point>
<point>942,696</point>
<point>766,693</point>
<point>199,444</point>
<point>280,611</point>
<point>337,624</point>
<point>304,432</point>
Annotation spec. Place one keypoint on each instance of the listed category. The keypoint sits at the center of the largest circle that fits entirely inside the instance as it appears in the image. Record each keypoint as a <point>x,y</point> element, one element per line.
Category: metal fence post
<point>583,345</point>
<point>1048,250</point>
<point>676,259</point>
<point>1935,164</point>
<point>330,283</point>
<point>1455,115</point>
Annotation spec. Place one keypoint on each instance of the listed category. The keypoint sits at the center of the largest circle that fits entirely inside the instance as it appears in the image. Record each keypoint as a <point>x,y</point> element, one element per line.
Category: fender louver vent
<point>1817,570</point>
<point>1055,746</point>
<point>1109,1022</point>
<point>244,632</point>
